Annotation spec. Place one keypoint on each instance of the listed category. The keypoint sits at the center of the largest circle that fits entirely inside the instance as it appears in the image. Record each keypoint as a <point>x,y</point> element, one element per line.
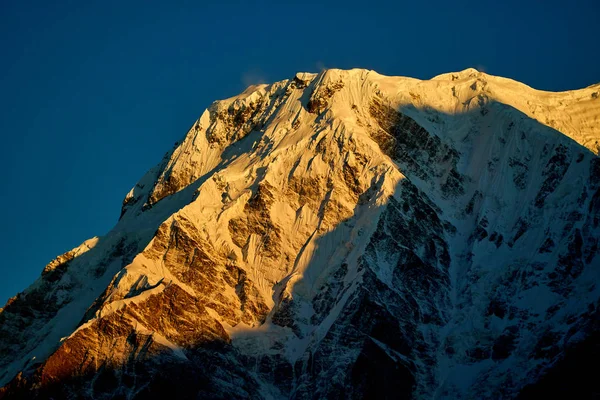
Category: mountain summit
<point>337,235</point>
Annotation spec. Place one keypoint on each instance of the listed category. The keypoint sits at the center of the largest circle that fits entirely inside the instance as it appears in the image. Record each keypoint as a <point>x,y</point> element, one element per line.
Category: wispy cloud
<point>253,77</point>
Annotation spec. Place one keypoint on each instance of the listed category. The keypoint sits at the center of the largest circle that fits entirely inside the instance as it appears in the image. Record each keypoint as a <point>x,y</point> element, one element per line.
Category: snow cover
<point>268,139</point>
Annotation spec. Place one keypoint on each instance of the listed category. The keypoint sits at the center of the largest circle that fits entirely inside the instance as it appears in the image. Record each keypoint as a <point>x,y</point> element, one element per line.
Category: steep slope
<point>342,234</point>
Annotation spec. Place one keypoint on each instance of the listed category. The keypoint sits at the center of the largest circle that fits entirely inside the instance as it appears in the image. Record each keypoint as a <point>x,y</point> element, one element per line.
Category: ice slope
<point>342,233</point>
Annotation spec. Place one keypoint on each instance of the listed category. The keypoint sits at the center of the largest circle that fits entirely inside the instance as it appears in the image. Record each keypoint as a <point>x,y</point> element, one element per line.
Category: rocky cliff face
<point>336,235</point>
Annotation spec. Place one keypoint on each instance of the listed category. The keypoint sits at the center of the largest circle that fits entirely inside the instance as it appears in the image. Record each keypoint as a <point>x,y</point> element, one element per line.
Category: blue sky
<point>92,94</point>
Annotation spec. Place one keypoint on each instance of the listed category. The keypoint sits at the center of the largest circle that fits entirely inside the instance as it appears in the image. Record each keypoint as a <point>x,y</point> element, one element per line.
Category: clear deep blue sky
<point>92,94</point>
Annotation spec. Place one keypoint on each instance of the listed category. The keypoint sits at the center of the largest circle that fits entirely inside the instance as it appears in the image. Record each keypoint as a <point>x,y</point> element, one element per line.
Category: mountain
<point>338,235</point>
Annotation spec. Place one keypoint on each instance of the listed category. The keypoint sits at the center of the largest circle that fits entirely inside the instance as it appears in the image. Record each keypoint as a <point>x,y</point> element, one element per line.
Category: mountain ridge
<point>286,220</point>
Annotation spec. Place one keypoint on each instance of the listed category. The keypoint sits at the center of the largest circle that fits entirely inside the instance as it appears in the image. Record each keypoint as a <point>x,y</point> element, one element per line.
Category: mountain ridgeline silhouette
<point>337,235</point>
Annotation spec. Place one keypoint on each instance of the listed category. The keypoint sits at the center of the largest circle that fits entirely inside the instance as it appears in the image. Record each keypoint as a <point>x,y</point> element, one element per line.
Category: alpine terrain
<point>339,235</point>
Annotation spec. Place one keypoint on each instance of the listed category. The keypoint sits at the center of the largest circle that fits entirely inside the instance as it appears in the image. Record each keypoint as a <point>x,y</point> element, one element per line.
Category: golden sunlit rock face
<point>335,235</point>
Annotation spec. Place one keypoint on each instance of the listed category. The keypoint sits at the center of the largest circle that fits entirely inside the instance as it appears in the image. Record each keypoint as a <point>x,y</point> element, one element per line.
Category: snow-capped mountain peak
<point>340,234</point>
